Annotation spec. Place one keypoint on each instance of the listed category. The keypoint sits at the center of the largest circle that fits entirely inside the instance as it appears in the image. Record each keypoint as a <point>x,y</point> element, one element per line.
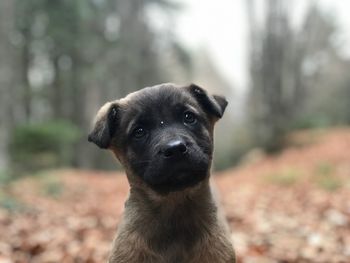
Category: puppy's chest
<point>175,234</point>
<point>189,246</point>
<point>175,252</point>
<point>176,245</point>
<point>179,239</point>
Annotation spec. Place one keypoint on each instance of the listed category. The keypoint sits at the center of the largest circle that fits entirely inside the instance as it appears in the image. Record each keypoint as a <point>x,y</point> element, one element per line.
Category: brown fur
<point>181,227</point>
<point>177,227</point>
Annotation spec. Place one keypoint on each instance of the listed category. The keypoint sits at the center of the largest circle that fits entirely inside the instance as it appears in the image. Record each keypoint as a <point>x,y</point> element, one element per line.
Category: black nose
<point>174,148</point>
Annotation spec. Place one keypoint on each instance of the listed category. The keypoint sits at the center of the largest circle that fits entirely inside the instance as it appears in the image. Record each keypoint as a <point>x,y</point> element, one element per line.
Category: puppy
<point>163,136</point>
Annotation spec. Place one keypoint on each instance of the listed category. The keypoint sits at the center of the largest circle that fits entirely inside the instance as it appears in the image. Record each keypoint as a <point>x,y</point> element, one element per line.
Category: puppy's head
<point>163,135</point>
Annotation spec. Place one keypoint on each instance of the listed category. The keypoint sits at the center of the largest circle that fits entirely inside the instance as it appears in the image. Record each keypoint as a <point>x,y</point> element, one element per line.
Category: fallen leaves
<point>73,217</point>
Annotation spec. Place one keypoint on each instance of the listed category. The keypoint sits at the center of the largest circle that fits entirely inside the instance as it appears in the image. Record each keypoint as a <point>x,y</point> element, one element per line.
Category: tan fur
<point>102,112</point>
<point>147,213</point>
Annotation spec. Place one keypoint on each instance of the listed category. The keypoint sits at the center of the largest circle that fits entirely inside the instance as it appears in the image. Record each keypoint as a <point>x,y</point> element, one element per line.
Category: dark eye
<point>139,133</point>
<point>189,118</point>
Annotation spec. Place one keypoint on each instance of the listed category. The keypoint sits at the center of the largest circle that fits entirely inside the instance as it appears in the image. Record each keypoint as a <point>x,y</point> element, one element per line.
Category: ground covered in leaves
<point>291,207</point>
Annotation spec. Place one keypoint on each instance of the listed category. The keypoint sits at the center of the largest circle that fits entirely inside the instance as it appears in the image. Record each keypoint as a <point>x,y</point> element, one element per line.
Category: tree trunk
<point>56,95</point>
<point>6,79</point>
<point>27,92</point>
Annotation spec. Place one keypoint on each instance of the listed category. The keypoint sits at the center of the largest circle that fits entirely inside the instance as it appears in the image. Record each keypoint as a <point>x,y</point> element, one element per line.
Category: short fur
<point>170,215</point>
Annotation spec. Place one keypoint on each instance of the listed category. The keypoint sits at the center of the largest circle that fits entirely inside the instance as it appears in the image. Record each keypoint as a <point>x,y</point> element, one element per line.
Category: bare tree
<point>272,76</point>
<point>278,55</point>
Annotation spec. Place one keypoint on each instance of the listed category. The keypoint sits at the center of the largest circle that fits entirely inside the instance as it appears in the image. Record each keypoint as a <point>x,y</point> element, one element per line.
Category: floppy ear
<point>214,105</point>
<point>104,125</point>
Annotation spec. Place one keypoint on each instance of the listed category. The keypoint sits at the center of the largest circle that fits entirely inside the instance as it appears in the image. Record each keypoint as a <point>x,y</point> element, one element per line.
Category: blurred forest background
<point>60,60</point>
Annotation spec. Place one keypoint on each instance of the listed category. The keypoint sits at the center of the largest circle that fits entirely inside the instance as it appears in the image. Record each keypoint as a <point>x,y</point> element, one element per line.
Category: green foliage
<point>329,183</point>
<point>60,41</point>
<point>285,177</point>
<point>53,189</point>
<point>50,184</point>
<point>4,177</point>
<point>325,177</point>
<point>10,202</point>
<point>44,145</point>
<point>325,169</point>
<point>310,122</point>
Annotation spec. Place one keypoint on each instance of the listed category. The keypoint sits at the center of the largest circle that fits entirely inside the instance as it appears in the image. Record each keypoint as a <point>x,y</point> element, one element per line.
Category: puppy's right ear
<point>105,125</point>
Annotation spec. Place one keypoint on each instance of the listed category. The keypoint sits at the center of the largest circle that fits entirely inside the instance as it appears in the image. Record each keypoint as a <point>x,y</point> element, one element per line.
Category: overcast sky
<point>221,27</point>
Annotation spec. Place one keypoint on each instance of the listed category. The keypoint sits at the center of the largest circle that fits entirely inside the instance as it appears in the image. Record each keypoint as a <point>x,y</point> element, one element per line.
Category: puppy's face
<point>161,134</point>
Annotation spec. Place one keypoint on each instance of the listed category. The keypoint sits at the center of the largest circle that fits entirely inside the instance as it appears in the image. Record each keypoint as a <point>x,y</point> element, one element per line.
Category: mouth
<point>178,183</point>
<point>168,177</point>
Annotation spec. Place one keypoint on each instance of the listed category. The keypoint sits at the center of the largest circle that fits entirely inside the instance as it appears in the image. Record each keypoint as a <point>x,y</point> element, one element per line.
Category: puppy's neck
<point>192,202</point>
<point>201,190</point>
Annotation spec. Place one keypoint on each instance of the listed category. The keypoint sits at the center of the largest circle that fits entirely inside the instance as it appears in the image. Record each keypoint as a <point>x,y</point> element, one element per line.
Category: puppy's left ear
<point>105,125</point>
<point>213,104</point>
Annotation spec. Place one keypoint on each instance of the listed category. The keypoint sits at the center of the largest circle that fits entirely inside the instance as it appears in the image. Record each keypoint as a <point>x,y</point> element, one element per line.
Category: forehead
<point>157,100</point>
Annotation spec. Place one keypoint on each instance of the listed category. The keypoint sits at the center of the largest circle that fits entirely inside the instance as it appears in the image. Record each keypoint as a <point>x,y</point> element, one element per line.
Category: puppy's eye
<point>139,132</point>
<point>189,118</point>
